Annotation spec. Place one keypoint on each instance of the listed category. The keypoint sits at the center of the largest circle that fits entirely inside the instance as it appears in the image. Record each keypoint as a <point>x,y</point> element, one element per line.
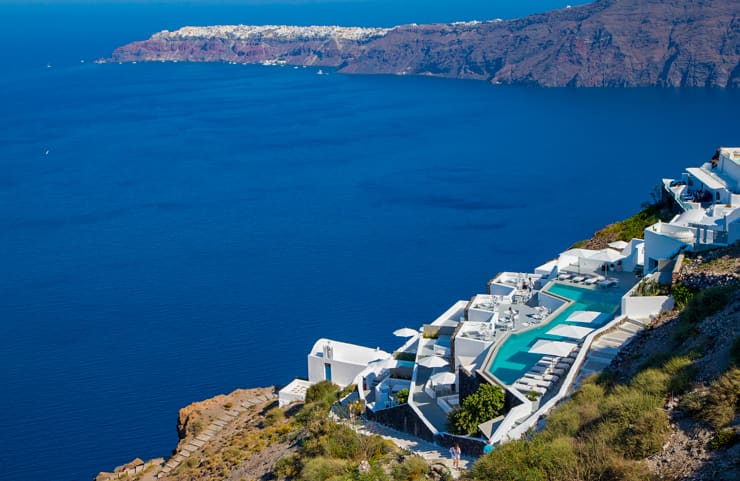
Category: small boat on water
<point>320,72</point>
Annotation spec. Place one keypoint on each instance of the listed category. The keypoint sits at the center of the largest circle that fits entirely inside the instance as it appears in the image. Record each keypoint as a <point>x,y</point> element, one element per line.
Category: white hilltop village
<point>287,32</point>
<point>536,334</point>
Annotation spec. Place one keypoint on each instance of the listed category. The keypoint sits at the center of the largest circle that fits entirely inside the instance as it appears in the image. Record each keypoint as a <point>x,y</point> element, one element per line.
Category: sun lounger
<point>540,383</point>
<point>562,365</point>
<point>609,282</point>
<point>525,388</point>
<point>557,371</point>
<point>564,277</point>
<point>543,377</point>
<point>578,279</point>
<point>593,280</point>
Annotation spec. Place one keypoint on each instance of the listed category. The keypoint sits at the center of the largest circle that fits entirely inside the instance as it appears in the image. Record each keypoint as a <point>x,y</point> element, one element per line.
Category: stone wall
<point>401,418</point>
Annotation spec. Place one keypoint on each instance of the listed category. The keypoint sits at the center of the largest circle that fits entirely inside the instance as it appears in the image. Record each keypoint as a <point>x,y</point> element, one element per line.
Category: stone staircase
<point>606,347</point>
<point>216,426</point>
<point>430,452</point>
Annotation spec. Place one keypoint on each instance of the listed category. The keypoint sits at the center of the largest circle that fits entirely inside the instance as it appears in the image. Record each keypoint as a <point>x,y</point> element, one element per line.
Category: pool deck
<point>525,322</point>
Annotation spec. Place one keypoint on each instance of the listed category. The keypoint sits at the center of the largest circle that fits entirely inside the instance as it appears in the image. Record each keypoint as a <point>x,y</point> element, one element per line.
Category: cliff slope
<point>671,43</point>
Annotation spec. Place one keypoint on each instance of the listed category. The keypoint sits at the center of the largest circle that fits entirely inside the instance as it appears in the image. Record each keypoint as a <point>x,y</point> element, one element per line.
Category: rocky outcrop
<point>692,43</point>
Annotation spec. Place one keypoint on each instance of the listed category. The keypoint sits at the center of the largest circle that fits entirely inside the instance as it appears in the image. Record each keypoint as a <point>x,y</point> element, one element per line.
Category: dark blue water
<point>194,228</point>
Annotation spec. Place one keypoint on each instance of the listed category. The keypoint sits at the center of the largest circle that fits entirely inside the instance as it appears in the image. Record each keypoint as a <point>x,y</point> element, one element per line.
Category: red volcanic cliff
<point>691,43</point>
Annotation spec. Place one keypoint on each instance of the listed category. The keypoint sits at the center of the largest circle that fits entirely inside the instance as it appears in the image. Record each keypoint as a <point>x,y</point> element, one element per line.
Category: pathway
<point>606,347</point>
<point>216,426</point>
<point>431,453</point>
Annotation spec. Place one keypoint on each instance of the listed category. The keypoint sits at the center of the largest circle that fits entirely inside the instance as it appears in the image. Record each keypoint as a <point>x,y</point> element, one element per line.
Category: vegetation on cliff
<point>303,444</point>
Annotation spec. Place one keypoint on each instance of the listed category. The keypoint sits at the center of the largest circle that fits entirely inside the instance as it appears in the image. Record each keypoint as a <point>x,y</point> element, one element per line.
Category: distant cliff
<point>671,43</point>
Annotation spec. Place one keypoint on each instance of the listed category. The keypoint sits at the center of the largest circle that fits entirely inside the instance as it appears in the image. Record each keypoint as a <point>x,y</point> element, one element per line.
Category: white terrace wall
<point>644,307</point>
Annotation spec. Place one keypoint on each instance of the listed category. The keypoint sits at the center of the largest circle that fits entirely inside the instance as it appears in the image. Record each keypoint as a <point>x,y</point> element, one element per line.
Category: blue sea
<point>169,232</point>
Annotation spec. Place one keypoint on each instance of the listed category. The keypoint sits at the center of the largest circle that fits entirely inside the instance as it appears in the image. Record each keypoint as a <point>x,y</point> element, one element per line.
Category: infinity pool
<point>513,358</point>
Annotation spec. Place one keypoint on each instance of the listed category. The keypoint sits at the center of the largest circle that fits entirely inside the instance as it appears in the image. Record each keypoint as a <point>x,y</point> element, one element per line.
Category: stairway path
<point>606,347</point>
<point>215,427</point>
<point>430,452</point>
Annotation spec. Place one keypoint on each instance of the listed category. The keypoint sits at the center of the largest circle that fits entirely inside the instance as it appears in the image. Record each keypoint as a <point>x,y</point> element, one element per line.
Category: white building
<point>709,198</point>
<point>340,362</point>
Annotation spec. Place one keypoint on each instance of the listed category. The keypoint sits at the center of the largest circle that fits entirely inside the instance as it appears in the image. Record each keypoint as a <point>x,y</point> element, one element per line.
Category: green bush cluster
<point>413,468</point>
<point>724,438</point>
<point>325,391</point>
<point>701,305</point>
<point>402,396</point>
<point>634,227</point>
<point>706,302</point>
<point>682,295</point>
<point>603,432</point>
<point>484,404</point>
<point>330,451</point>
<point>717,405</point>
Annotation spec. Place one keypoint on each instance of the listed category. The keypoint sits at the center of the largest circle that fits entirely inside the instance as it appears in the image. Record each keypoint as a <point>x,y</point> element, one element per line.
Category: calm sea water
<point>194,228</point>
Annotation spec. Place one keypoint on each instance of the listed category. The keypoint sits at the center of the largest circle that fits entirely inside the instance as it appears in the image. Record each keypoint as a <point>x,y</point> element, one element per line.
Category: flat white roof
<point>709,179</point>
<point>619,245</point>
<point>351,353</point>
<point>297,386</point>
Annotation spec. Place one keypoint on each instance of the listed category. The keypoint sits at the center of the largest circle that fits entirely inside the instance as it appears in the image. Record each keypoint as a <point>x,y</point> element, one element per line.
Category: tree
<point>485,404</point>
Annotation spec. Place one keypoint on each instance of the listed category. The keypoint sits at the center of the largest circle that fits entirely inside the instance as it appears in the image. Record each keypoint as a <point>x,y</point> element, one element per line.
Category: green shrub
<point>515,460</point>
<point>563,421</point>
<point>486,403</point>
<point>682,295</point>
<point>340,441</point>
<point>322,391</point>
<point>724,438</point>
<point>651,381</point>
<point>413,468</point>
<point>721,402</point>
<point>195,427</point>
<point>532,395</point>
<point>274,416</point>
<point>402,396</point>
<point>645,435</point>
<point>313,413</point>
<point>692,403</point>
<point>681,372</point>
<point>375,473</point>
<point>323,469</point>
<point>287,467</point>
<point>374,446</point>
<point>706,302</point>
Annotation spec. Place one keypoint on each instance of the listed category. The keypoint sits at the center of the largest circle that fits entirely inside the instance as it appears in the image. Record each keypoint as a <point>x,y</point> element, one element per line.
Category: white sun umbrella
<point>584,316</point>
<point>574,332</point>
<point>444,378</point>
<point>606,255</point>
<point>405,332</point>
<point>433,361</point>
<point>553,348</point>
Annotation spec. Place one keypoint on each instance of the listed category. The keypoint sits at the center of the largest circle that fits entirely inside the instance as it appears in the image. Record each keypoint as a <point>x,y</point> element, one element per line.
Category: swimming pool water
<point>513,358</point>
